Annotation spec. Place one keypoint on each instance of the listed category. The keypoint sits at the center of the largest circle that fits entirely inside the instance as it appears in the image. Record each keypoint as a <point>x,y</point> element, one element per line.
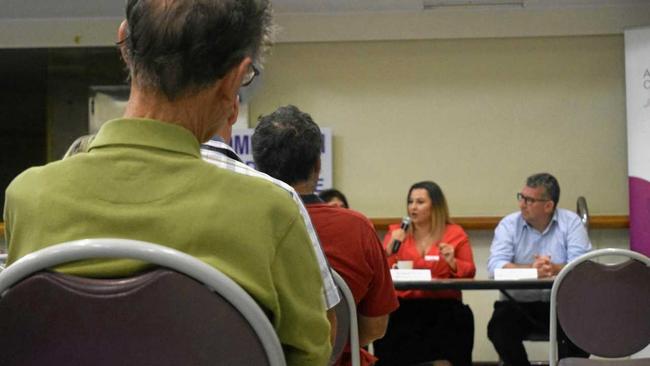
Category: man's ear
<point>549,206</point>
<point>232,118</point>
<point>231,82</point>
<point>317,167</point>
<point>122,33</point>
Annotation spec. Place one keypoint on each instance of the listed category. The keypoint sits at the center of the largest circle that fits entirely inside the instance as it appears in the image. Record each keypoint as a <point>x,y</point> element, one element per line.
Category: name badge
<point>431,258</point>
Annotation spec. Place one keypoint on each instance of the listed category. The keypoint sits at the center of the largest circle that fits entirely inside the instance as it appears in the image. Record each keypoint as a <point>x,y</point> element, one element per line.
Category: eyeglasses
<point>529,200</point>
<point>250,75</point>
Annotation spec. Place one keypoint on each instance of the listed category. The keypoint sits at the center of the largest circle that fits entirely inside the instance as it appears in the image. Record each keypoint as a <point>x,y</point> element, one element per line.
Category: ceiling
<point>47,9</point>
<point>82,23</point>
<point>354,6</point>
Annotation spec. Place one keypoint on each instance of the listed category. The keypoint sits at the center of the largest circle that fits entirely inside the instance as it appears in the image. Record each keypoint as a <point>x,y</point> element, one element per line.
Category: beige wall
<point>477,116</point>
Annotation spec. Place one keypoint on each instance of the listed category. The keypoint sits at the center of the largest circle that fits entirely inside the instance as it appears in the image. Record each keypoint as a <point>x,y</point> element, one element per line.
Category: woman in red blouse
<point>429,325</point>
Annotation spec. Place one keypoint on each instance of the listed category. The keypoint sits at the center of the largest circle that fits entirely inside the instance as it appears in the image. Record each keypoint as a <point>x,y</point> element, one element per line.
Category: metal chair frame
<point>553,352</point>
<point>354,325</point>
<point>157,255</point>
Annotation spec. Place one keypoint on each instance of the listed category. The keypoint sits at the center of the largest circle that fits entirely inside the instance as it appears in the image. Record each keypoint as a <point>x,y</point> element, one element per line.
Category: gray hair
<point>179,47</point>
<point>550,184</point>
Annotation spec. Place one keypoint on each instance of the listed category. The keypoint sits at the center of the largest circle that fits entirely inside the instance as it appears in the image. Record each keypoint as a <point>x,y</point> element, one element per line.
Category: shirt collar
<point>148,133</point>
<point>217,145</point>
<point>554,219</point>
<point>309,199</point>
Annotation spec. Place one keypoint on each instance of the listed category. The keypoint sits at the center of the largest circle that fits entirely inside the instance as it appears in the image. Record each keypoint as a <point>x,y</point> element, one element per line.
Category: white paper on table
<point>410,275</point>
<point>515,274</point>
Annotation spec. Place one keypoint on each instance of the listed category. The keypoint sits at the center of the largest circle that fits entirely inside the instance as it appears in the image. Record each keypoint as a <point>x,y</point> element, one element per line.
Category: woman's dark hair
<point>439,209</point>
<point>328,194</point>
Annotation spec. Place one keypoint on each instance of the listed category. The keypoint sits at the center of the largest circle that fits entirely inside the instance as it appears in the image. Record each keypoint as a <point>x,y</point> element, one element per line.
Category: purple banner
<point>640,215</point>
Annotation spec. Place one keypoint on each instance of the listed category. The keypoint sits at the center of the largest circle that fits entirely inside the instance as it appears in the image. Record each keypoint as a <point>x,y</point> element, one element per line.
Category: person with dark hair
<point>287,145</point>
<point>429,326</point>
<point>143,177</point>
<point>540,236</point>
<point>334,197</point>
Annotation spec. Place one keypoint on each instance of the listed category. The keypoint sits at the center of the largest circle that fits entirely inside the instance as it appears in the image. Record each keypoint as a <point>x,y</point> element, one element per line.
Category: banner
<point>241,143</point>
<point>637,80</point>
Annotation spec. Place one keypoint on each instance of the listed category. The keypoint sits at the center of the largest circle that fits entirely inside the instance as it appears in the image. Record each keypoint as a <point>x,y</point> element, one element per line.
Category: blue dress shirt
<point>564,239</point>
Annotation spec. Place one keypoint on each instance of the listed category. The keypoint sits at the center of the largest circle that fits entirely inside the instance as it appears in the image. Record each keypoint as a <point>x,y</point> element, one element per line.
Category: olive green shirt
<point>145,180</point>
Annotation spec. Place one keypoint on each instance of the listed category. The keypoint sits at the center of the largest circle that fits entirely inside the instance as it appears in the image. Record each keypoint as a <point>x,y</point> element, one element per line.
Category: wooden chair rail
<point>488,222</point>
<point>491,222</point>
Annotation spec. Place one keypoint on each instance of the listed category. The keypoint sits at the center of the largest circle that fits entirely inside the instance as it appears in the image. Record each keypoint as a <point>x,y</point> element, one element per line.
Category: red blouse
<point>455,236</point>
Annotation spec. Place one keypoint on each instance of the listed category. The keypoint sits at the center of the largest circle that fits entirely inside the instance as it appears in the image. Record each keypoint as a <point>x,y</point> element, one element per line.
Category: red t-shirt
<point>432,260</point>
<point>353,249</point>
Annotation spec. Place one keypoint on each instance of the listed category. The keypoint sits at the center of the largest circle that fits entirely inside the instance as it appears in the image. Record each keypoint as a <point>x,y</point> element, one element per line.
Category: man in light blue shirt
<point>540,236</point>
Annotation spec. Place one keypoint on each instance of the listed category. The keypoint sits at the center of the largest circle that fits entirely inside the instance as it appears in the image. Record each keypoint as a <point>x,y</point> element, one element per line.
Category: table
<point>475,284</point>
<point>479,284</point>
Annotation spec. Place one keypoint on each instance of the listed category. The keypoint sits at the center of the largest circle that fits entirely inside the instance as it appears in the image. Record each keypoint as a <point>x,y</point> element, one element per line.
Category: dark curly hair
<point>287,144</point>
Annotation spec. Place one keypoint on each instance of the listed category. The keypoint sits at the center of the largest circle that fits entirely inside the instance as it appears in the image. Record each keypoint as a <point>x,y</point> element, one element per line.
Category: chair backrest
<point>347,327</point>
<point>603,308</point>
<point>183,312</point>
<point>583,211</point>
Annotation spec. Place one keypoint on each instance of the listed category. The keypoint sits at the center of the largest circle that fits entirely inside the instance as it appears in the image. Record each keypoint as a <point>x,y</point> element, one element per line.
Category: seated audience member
<point>334,197</point>
<point>217,152</point>
<point>429,325</point>
<point>287,145</point>
<point>143,177</point>
<point>539,236</point>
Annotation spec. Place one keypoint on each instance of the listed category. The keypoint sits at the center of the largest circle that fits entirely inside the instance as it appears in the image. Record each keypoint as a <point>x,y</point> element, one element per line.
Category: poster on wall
<point>241,143</point>
<point>637,82</point>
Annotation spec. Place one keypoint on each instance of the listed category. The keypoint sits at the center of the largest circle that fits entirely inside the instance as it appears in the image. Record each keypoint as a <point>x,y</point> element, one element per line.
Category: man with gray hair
<point>143,177</point>
<point>539,236</point>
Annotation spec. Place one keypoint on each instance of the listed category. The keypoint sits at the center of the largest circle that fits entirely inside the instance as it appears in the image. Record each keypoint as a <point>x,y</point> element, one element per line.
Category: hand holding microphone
<point>398,235</point>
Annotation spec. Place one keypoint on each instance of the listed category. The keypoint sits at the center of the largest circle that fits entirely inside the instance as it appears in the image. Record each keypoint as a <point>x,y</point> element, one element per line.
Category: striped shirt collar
<point>217,144</point>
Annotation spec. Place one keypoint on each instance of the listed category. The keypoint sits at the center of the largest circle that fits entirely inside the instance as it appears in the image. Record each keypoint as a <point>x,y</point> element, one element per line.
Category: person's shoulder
<point>346,216</point>
<point>258,188</point>
<point>23,181</point>
<point>455,229</point>
<point>242,172</point>
<point>454,232</point>
<point>37,176</point>
<point>567,214</point>
<point>395,226</point>
<point>511,218</point>
<point>568,218</point>
<point>356,216</point>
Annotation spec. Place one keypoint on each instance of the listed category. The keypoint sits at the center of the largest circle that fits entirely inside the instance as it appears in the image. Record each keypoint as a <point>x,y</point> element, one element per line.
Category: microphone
<point>406,221</point>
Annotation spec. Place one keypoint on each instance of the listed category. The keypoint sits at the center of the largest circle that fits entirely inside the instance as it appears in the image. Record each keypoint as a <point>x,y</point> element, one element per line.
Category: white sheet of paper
<point>515,273</point>
<point>410,275</point>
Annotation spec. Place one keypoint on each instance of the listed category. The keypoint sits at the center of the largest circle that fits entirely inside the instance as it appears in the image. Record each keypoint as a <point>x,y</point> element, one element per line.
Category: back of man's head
<point>549,183</point>
<point>287,145</point>
<point>180,47</point>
